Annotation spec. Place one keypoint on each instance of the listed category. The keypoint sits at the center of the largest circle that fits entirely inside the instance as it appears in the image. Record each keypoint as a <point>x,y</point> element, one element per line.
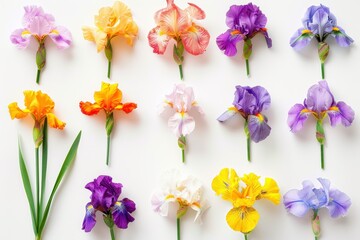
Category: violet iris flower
<point>249,103</point>
<point>105,198</point>
<point>40,25</point>
<point>320,103</point>
<point>299,202</point>
<point>244,22</point>
<point>320,23</point>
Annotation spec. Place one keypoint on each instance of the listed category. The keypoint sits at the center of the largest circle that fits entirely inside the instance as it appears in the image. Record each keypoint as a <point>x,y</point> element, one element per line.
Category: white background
<point>143,146</point>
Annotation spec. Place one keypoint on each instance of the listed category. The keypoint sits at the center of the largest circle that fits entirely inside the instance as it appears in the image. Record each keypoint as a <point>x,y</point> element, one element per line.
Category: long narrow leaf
<point>67,163</point>
<point>28,189</point>
<point>44,156</point>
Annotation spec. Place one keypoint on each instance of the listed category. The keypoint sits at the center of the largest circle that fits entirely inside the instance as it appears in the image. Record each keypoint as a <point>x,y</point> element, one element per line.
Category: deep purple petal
<point>341,37</point>
<point>297,116</point>
<point>339,204</point>
<point>90,218</point>
<point>227,42</point>
<point>258,127</point>
<point>319,97</point>
<point>267,38</point>
<point>227,114</point>
<point>61,37</point>
<point>300,40</point>
<point>341,113</point>
<point>121,213</point>
<point>19,39</point>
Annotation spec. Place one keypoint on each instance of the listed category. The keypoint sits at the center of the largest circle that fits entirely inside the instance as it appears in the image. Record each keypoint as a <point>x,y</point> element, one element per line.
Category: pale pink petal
<point>61,36</point>
<point>182,124</point>
<point>21,38</point>
<point>196,40</point>
<point>195,12</point>
<point>174,21</point>
<point>40,26</point>
<point>158,40</point>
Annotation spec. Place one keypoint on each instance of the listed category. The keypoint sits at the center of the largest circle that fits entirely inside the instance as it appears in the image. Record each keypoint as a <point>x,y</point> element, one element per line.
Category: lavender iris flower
<point>244,22</point>
<point>249,103</point>
<point>300,202</point>
<point>320,23</point>
<point>104,198</point>
<point>320,103</point>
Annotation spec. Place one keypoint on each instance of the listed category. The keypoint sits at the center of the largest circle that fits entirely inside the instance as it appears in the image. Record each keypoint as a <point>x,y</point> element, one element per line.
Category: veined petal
<point>158,40</point>
<point>195,39</point>
<point>160,203</point>
<point>227,42</point>
<point>38,103</point>
<point>243,219</point>
<point>16,112</point>
<point>61,36</point>
<point>341,37</point>
<point>109,97</point>
<point>174,21</point>
<point>97,36</point>
<point>341,113</point>
<point>258,127</point>
<point>182,124</point>
<point>195,12</point>
<point>297,116</point>
<point>54,122</point>
<point>301,38</point>
<point>227,114</point>
<point>252,183</point>
<point>21,38</point>
<point>294,204</point>
<point>90,218</point>
<point>121,213</point>
<point>40,26</point>
<point>120,9</point>
<point>130,31</point>
<point>89,108</point>
<point>270,191</point>
<point>339,203</point>
<point>226,183</point>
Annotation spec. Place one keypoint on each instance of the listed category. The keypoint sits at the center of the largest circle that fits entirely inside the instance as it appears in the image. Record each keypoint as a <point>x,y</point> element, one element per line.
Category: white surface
<point>142,144</point>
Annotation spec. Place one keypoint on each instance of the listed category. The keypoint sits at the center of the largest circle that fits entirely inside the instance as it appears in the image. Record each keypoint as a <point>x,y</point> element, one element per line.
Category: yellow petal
<point>39,104</point>
<point>270,191</point>
<point>16,112</point>
<point>120,9</point>
<point>243,219</point>
<point>88,33</point>
<point>54,122</point>
<point>252,182</point>
<point>226,183</point>
<point>109,97</point>
<point>97,36</point>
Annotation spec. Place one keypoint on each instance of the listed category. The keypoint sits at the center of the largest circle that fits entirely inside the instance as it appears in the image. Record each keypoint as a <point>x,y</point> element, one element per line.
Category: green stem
<point>316,238</point>
<point>322,156</point>
<point>112,233</point>
<point>322,70</point>
<point>108,150</point>
<point>37,186</point>
<point>247,67</point>
<point>245,236</point>
<point>181,72</point>
<point>38,237</point>
<point>178,228</point>
<point>38,76</point>
<point>248,148</point>
<point>109,69</point>
<point>183,155</point>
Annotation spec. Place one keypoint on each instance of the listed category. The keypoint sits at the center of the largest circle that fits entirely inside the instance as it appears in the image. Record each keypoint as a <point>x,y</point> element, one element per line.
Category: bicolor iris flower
<point>183,189</point>
<point>105,199</point>
<point>40,25</point>
<point>111,22</point>
<point>179,24</point>
<point>107,99</point>
<point>244,23</point>
<point>320,103</point>
<point>182,100</point>
<point>243,217</point>
<point>249,102</point>
<point>320,23</point>
<point>300,202</point>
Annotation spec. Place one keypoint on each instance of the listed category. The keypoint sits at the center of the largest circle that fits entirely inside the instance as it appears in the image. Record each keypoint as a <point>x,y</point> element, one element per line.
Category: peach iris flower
<point>178,24</point>
<point>111,22</point>
<point>107,99</point>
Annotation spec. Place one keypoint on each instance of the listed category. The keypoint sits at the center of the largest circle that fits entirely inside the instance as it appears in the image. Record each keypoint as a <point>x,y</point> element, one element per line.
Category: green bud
<point>247,50</point>
<point>41,56</point>
<point>108,50</point>
<point>38,134</point>
<point>182,142</point>
<point>320,133</point>
<point>316,226</point>
<point>181,211</point>
<point>323,51</point>
<point>109,123</point>
<point>178,52</point>
<point>108,220</point>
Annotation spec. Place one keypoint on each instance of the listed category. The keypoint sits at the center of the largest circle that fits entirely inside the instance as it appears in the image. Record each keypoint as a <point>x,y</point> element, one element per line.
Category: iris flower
<point>244,22</point>
<point>320,103</point>
<point>300,202</point>
<point>179,24</point>
<point>320,23</point>
<point>107,99</point>
<point>105,199</point>
<point>111,22</point>
<point>40,107</point>
<point>249,103</point>
<point>182,100</point>
<point>179,187</point>
<point>40,25</point>
<point>243,217</point>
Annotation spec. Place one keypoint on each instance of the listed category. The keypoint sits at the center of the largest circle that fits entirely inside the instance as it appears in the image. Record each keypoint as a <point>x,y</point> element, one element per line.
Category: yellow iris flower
<point>243,217</point>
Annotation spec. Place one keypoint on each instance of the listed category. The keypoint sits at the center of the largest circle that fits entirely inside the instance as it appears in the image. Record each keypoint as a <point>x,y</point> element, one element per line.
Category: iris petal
<point>258,128</point>
<point>243,219</point>
<point>341,113</point>
<point>227,42</point>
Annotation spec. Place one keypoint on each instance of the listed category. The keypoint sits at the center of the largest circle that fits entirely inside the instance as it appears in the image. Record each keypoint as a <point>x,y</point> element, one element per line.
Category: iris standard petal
<point>21,38</point>
<point>339,203</point>
<point>228,40</point>
<point>61,36</point>
<point>195,12</point>
<point>121,213</point>
<point>227,114</point>
<point>195,39</point>
<point>243,219</point>
<point>226,183</point>
<point>174,21</point>
<point>40,26</point>
<point>95,35</point>
<point>341,113</point>
<point>245,100</point>
<point>258,127</point>
<point>341,37</point>
<point>320,22</point>
<point>182,124</point>
<point>90,218</point>
<point>297,116</point>
<point>158,40</point>
<point>263,98</point>
<point>301,38</point>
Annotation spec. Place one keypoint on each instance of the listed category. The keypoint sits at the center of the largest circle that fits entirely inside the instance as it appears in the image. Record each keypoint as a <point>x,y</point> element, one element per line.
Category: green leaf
<point>28,189</point>
<point>44,156</point>
<point>67,163</point>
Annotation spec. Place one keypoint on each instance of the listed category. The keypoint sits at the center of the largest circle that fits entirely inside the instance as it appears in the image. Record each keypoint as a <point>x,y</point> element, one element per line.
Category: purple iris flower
<point>244,22</point>
<point>299,202</point>
<point>104,198</point>
<point>320,23</point>
<point>320,103</point>
<point>249,103</point>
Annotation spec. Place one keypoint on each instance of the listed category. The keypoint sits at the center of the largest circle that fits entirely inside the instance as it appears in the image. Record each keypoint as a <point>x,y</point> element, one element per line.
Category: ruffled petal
<point>195,40</point>
<point>21,38</point>
<point>270,191</point>
<point>341,113</point>
<point>301,38</point>
<point>258,127</point>
<point>16,112</point>
<point>226,183</point>
<point>339,203</point>
<point>182,124</point>
<point>227,42</point>
<point>262,97</point>
<point>158,40</point>
<point>90,218</point>
<point>54,122</point>
<point>294,204</point>
<point>89,108</point>
<point>243,219</point>
<point>109,97</point>
<point>297,116</point>
<point>195,12</point>
<point>40,26</point>
<point>61,36</point>
<point>227,114</point>
<point>121,213</point>
<point>341,37</point>
<point>174,21</point>
<point>95,35</point>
